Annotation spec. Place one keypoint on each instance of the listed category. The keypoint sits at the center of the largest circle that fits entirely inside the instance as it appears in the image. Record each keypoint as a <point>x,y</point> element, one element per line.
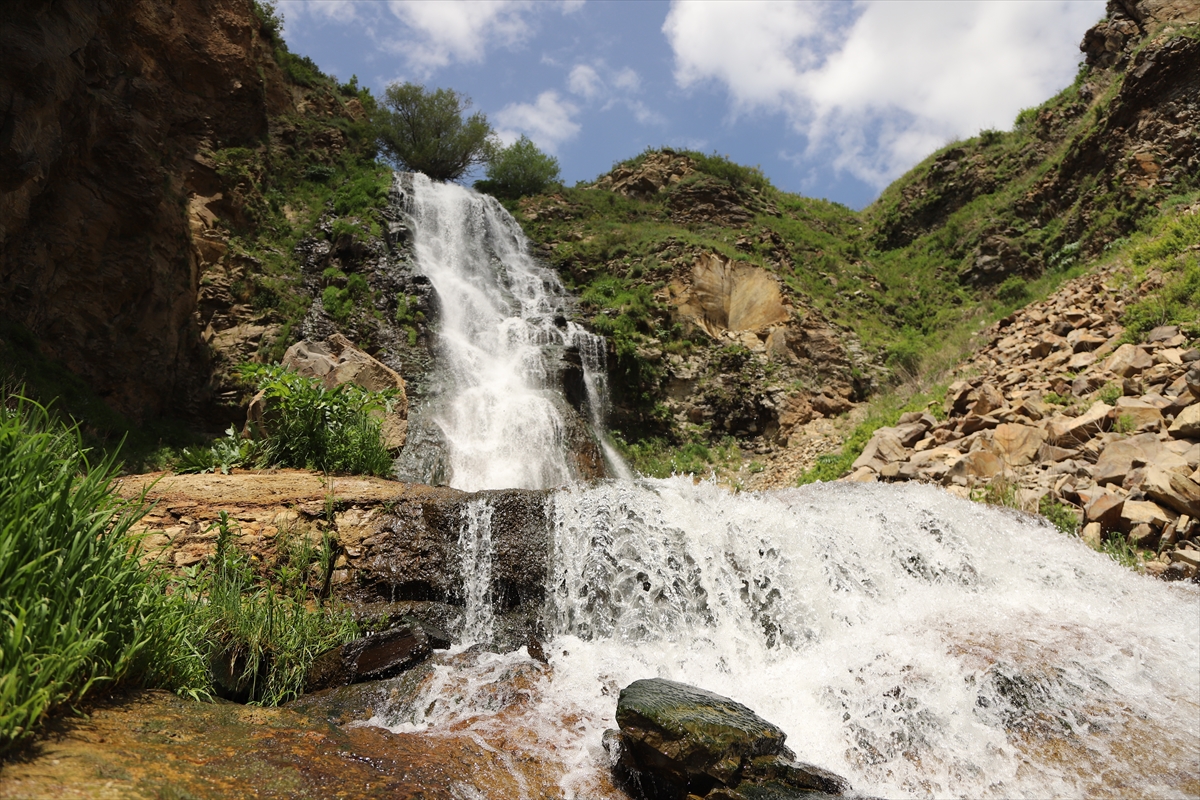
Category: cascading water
<point>501,317</point>
<point>919,644</point>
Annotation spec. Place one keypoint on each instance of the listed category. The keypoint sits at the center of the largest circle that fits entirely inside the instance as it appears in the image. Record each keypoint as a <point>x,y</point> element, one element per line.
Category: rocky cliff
<point>105,109</point>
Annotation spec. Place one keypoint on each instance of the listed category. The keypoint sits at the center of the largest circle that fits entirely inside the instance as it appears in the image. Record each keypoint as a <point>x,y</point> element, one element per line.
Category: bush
<point>312,427</point>
<point>257,634</point>
<point>78,609</point>
<point>425,131</point>
<point>1013,291</point>
<point>518,170</point>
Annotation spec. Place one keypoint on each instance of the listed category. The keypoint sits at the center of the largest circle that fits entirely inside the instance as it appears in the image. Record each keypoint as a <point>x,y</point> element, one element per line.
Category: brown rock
<point>883,447</point>
<point>1017,445</point>
<point>975,423</point>
<point>1143,414</point>
<point>831,406</point>
<point>373,657</point>
<point>1187,424</point>
<point>1143,535</point>
<point>1092,534</point>
<point>1105,509</point>
<point>1128,360</point>
<point>958,397</point>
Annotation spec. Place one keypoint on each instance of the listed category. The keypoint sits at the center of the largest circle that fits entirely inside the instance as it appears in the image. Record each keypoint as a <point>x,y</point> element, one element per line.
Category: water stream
<point>503,325</point>
<point>919,644</point>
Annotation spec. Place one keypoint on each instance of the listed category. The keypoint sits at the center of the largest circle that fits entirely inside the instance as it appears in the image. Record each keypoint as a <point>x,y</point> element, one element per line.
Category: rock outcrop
<point>334,362</point>
<point>105,109</point>
<point>1056,408</point>
<point>678,741</point>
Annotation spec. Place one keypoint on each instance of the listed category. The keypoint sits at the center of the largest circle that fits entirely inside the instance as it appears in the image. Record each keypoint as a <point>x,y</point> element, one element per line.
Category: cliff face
<point>104,107</point>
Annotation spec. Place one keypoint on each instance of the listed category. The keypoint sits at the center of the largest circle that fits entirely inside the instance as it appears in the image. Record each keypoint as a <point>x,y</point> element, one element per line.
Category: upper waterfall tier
<point>502,335</point>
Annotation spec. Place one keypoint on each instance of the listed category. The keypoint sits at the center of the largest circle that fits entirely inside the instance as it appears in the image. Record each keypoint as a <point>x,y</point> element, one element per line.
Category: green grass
<point>659,458</point>
<point>78,610</point>
<point>308,426</point>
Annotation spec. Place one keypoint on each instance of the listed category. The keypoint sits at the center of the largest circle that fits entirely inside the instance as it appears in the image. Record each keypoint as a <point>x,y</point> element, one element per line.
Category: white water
<point>919,644</point>
<point>916,643</point>
<point>502,417</point>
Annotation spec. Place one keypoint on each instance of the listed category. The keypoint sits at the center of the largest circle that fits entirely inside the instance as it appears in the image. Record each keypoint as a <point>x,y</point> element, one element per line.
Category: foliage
<point>77,607</point>
<point>1121,551</point>
<point>1060,515</point>
<point>425,131</point>
<point>254,628</point>
<point>1110,392</point>
<point>308,426</point>
<point>658,458</point>
<point>518,170</point>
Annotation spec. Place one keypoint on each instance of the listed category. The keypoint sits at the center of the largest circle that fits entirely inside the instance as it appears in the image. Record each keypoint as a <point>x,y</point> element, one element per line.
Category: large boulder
<point>677,740</point>
<point>337,361</point>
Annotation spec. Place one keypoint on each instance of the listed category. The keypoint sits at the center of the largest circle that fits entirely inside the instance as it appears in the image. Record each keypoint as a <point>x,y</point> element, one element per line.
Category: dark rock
<point>677,740</point>
<point>380,655</point>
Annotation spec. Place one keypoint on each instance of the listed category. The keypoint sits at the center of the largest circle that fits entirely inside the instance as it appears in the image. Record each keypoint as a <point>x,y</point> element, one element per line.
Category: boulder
<point>1143,414</point>
<point>1187,424</point>
<point>1105,510</point>
<point>987,399</point>
<point>1139,512</point>
<point>1128,360</point>
<point>976,465</point>
<point>372,657</point>
<point>1119,457</point>
<point>1172,490</point>
<point>336,361</point>
<point>884,447</point>
<point>677,740</point>
<point>1017,445</point>
<point>1068,431</point>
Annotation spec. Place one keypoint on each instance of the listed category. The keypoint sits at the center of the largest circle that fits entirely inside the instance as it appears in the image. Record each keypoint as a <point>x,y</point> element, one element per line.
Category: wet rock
<point>373,657</point>
<point>677,740</point>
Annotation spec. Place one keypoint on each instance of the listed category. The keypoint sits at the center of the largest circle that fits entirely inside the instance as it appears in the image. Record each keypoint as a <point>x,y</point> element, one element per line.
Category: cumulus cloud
<point>439,34</point>
<point>585,82</point>
<point>880,84</point>
<point>549,121</point>
<point>599,84</point>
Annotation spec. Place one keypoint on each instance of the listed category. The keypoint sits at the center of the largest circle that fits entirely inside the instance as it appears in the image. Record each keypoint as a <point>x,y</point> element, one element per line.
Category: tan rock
<point>1172,490</point>
<point>730,295</point>
<point>1092,534</point>
<point>1076,430</point>
<point>987,399</point>
<point>861,475</point>
<point>1119,457</point>
<point>1128,360</point>
<point>1143,414</point>
<point>883,447</point>
<point>1017,445</point>
<point>1138,512</point>
<point>978,464</point>
<point>1187,423</point>
<point>1143,535</point>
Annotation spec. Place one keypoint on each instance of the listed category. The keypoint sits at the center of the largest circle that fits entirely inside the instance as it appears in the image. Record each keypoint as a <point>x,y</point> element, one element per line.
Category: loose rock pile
<point>1057,407</point>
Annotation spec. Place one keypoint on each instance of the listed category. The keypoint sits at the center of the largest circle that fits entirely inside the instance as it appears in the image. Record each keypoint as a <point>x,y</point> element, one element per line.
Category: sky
<point>831,99</point>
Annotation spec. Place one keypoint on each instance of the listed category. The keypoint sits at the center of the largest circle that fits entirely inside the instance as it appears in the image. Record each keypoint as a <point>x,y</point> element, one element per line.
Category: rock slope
<point>1056,407</point>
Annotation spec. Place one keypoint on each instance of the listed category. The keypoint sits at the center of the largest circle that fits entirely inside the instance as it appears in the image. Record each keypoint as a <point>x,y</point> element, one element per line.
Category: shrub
<point>1060,515</point>
<point>1013,291</point>
<point>518,170</point>
<point>258,636</point>
<point>312,427</point>
<point>426,132</point>
<point>78,609</point>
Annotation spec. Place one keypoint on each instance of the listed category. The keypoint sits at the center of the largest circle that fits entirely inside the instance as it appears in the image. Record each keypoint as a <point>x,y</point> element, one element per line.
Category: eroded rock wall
<point>104,107</point>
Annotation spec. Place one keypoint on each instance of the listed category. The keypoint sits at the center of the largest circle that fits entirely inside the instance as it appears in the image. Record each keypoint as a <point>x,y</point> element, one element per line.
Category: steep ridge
<point>678,256</point>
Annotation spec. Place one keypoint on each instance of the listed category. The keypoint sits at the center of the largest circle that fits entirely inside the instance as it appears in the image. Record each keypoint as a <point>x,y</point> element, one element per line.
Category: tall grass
<point>307,427</point>
<point>76,607</point>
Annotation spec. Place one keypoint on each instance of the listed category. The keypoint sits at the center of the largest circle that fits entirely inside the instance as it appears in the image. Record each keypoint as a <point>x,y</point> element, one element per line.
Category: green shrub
<point>77,608</point>
<point>518,170</point>
<point>1060,515</point>
<point>1013,291</point>
<point>257,632</point>
<point>1110,393</point>
<point>312,427</point>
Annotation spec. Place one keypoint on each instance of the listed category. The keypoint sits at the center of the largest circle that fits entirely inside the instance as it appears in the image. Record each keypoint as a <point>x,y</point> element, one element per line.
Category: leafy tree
<point>518,170</point>
<point>425,131</point>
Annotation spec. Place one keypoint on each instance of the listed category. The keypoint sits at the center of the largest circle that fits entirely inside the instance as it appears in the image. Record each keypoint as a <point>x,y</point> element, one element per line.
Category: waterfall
<point>502,324</point>
<point>475,544</point>
<point>919,644</point>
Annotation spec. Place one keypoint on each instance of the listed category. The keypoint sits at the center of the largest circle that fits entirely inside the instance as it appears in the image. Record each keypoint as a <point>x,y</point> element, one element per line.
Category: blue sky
<point>831,99</point>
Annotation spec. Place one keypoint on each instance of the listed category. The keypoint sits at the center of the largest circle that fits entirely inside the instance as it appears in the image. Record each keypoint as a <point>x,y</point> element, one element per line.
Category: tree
<point>425,131</point>
<point>518,170</point>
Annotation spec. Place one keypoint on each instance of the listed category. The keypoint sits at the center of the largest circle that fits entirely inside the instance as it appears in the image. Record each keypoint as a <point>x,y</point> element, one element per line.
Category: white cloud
<point>627,80</point>
<point>585,82</point>
<point>439,34</point>
<point>549,121</point>
<point>881,83</point>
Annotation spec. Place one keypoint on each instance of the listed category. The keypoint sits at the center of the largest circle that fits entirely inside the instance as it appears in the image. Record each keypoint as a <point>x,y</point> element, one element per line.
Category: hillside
<point>738,310</point>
